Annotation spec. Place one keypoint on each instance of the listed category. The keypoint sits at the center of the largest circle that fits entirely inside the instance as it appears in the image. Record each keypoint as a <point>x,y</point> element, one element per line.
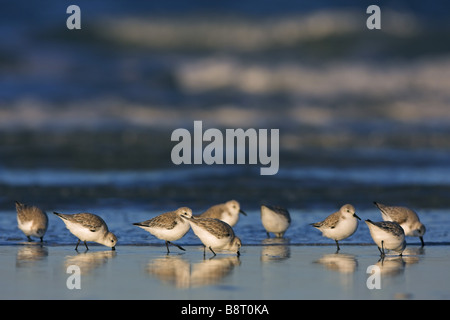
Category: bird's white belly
<point>231,220</point>
<point>26,227</point>
<point>408,231</point>
<point>390,242</point>
<point>170,234</point>
<point>82,233</point>
<point>208,239</point>
<point>274,223</point>
<point>344,229</point>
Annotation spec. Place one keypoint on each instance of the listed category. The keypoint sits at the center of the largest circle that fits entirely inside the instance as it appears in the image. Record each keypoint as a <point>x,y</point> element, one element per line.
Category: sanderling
<point>168,226</point>
<point>339,225</point>
<point>31,220</point>
<point>275,219</point>
<point>228,212</point>
<point>405,217</point>
<point>387,235</point>
<point>215,234</point>
<point>88,227</point>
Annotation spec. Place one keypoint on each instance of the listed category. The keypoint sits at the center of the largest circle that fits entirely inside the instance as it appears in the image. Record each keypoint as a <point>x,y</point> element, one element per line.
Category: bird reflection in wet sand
<point>391,265</point>
<point>412,255</point>
<point>180,273</point>
<point>343,263</point>
<point>275,249</point>
<point>212,271</point>
<point>28,255</point>
<point>170,269</point>
<point>88,261</point>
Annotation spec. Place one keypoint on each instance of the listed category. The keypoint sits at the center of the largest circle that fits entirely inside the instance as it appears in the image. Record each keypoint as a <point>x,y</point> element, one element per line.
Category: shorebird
<point>405,217</point>
<point>88,227</point>
<point>215,234</point>
<point>31,220</point>
<point>168,226</point>
<point>275,219</point>
<point>387,235</point>
<point>227,212</point>
<point>339,225</point>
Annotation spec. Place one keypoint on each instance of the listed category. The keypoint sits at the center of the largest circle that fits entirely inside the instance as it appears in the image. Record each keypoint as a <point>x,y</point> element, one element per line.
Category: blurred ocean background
<point>86,115</point>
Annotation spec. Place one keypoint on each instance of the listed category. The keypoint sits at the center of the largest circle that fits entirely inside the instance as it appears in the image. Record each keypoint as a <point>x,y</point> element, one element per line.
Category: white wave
<point>243,32</point>
<point>327,80</point>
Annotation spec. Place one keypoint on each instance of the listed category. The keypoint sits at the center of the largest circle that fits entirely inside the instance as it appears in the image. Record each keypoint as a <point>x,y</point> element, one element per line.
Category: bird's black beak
<point>356,216</point>
<point>113,248</point>
<point>242,212</point>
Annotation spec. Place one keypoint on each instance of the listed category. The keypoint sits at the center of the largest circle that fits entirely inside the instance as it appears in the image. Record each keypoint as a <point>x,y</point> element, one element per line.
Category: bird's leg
<point>167,246</point>
<point>382,248</point>
<point>179,247</point>
<point>76,247</point>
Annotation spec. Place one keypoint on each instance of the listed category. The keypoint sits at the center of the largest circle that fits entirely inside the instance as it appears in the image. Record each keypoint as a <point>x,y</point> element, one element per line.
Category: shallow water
<point>271,272</point>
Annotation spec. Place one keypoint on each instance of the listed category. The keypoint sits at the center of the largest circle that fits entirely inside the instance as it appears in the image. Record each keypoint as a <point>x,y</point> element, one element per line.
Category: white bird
<point>227,212</point>
<point>215,234</point>
<point>339,225</point>
<point>406,218</point>
<point>168,226</point>
<point>31,220</point>
<point>387,235</point>
<point>275,219</point>
<point>88,227</point>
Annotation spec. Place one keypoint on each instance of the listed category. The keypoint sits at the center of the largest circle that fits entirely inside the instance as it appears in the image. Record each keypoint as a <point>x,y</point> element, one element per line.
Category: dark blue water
<point>86,116</point>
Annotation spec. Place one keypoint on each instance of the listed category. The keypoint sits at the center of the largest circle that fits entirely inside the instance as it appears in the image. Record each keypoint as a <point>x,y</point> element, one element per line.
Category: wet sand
<point>272,271</point>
